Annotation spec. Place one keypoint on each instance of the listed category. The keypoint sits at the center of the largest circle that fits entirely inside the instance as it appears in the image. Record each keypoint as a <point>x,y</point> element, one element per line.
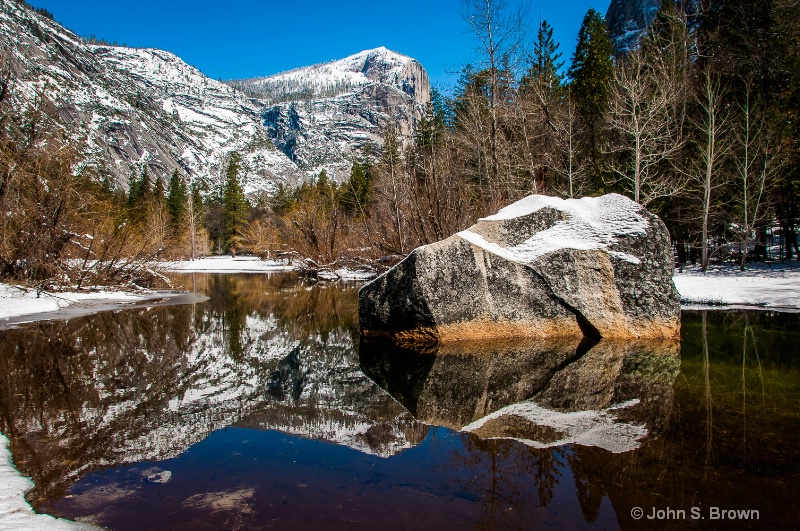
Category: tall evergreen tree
<point>592,69</point>
<point>139,189</point>
<point>235,205</point>
<point>176,199</point>
<point>591,76</point>
<point>356,191</point>
<point>545,63</point>
<point>159,194</point>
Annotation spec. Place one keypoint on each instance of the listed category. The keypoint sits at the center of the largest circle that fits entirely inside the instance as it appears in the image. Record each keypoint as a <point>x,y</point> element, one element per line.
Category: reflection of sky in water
<point>317,443</point>
<point>240,477</point>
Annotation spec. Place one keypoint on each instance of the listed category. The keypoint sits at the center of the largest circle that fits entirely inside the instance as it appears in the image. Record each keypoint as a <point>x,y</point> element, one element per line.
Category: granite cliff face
<point>132,108</point>
<point>321,116</point>
<point>594,267</point>
<point>628,20</point>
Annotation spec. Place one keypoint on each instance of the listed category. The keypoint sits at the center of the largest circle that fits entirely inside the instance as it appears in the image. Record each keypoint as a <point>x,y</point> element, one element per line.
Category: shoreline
<point>16,311</point>
<point>762,287</point>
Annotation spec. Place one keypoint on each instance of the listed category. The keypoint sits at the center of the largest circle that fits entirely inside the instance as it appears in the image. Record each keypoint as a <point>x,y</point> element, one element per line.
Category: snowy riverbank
<point>15,512</point>
<point>20,305</point>
<point>770,287</point>
<point>252,264</point>
<point>226,264</point>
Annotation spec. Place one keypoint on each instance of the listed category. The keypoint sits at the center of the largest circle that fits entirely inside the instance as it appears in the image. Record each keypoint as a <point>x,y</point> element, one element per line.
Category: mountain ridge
<point>135,108</point>
<point>321,116</point>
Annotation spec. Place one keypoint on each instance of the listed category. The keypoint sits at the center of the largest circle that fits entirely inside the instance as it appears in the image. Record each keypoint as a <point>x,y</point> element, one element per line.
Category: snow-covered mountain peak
<point>134,108</point>
<point>320,116</point>
<point>324,80</point>
<point>379,64</point>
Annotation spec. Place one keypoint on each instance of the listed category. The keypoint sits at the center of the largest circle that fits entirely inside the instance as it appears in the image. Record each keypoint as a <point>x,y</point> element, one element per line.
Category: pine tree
<point>176,199</point>
<point>159,194</point>
<point>139,189</point>
<point>356,191</point>
<point>235,205</point>
<point>591,76</point>
<point>323,185</point>
<point>543,72</point>
<point>591,71</point>
<point>139,196</point>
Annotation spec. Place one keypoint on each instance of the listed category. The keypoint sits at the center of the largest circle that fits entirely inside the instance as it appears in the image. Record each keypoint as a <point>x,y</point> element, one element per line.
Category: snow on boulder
<point>543,266</point>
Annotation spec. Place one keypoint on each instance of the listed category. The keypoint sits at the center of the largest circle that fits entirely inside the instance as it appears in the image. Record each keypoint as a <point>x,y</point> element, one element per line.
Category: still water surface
<point>260,408</point>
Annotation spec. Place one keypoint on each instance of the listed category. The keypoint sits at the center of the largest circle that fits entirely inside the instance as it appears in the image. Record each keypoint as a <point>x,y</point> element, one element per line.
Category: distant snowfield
<point>226,264</point>
<point>769,287</point>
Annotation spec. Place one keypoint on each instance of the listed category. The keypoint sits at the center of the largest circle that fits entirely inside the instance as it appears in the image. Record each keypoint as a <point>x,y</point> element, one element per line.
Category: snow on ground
<point>767,286</point>
<point>16,301</point>
<point>346,274</point>
<point>226,264</point>
<point>252,264</point>
<point>15,512</point>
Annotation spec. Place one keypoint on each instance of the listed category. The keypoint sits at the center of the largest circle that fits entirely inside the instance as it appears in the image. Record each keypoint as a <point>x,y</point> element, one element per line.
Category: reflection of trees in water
<point>546,471</point>
<point>495,469</point>
<point>513,481</point>
<point>709,402</point>
<point>516,482</point>
<point>146,383</point>
<point>730,441</point>
<point>740,369</point>
<point>589,487</point>
<point>301,307</point>
<point>61,379</point>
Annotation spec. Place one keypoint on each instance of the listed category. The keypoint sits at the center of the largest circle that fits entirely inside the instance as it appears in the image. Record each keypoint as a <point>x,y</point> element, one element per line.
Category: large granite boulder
<point>541,267</point>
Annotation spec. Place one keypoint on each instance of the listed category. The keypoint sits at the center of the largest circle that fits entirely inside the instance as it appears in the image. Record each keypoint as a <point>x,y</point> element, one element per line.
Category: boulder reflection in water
<point>544,393</point>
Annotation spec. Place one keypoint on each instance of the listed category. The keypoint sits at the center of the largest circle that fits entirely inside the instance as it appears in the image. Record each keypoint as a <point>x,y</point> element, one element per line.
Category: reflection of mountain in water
<point>127,386</point>
<point>545,393</point>
<point>327,397</point>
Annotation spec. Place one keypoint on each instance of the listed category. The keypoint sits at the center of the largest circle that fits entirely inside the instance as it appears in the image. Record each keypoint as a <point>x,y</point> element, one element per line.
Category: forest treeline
<point>699,123</point>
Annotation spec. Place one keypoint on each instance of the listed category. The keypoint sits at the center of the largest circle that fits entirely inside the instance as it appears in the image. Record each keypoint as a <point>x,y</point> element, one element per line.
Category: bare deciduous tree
<point>758,159</point>
<point>648,136</point>
<point>711,123</point>
<point>569,165</point>
<point>501,33</point>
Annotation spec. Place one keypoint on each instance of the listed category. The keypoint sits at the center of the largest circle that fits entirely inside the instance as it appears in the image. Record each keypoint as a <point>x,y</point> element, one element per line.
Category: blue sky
<point>249,38</point>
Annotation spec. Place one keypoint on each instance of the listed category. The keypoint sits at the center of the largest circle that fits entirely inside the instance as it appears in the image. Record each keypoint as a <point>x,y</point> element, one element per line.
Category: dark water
<point>261,409</point>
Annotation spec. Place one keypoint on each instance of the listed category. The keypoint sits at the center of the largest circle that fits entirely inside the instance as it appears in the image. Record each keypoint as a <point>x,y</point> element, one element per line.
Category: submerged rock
<point>541,267</point>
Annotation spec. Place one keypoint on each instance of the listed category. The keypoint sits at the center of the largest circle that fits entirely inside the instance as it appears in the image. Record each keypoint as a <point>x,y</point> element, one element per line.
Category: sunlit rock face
<point>320,116</point>
<point>629,20</point>
<point>545,393</point>
<point>541,267</point>
<point>133,108</point>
